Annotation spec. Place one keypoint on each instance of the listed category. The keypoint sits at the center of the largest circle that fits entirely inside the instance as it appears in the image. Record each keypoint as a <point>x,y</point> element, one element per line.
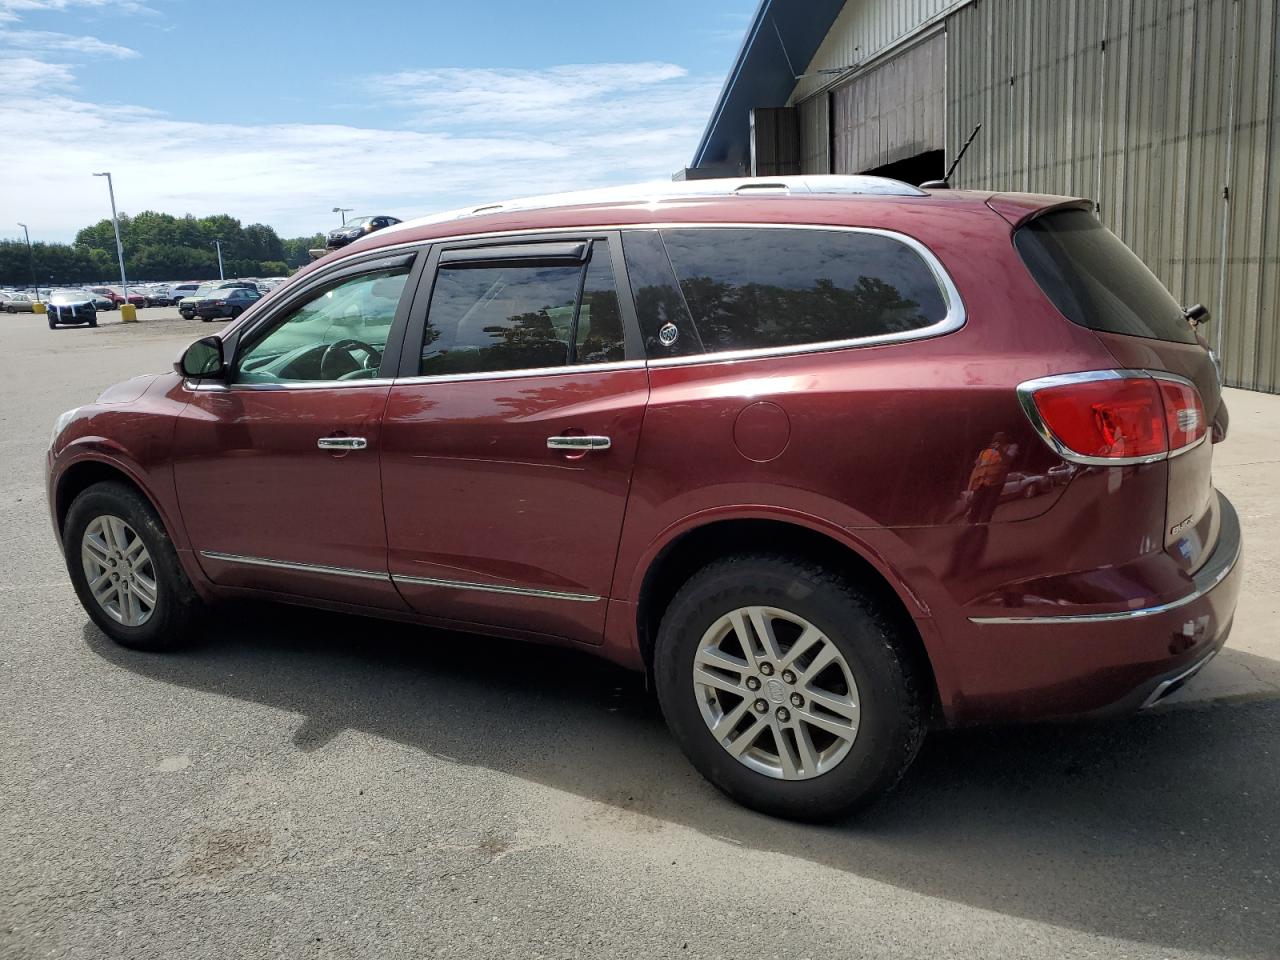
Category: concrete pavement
<point>310,785</point>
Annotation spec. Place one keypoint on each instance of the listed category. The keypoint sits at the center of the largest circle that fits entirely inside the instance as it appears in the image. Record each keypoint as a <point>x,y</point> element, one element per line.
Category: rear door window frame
<point>415,330</point>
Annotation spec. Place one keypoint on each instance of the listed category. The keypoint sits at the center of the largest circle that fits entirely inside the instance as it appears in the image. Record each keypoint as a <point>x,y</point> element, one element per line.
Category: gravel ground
<point>310,785</point>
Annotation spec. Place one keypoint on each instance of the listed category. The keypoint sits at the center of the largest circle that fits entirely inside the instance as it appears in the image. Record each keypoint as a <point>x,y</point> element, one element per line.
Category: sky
<point>277,111</point>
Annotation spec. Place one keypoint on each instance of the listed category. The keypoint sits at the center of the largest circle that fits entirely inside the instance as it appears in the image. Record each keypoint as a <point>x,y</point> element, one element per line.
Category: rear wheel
<point>235,312</point>
<point>125,570</point>
<point>787,688</point>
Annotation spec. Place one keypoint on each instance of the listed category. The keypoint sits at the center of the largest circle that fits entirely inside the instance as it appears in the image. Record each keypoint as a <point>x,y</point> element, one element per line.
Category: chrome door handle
<point>342,443</point>
<point>578,443</point>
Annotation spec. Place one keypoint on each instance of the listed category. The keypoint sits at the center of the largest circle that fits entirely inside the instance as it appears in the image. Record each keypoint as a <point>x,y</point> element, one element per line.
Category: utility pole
<point>31,255</point>
<point>344,211</point>
<point>115,222</point>
<point>218,243</point>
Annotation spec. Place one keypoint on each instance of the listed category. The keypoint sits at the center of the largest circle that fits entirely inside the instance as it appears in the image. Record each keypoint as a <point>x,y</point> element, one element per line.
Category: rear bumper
<point>1039,667</point>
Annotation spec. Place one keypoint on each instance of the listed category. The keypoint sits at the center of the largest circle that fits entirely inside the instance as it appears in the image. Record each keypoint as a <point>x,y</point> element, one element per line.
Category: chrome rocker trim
<point>1225,557</point>
<point>376,575</point>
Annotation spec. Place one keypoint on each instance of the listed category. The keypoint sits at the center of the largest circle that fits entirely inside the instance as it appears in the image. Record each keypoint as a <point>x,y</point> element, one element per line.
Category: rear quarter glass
<point>1096,281</point>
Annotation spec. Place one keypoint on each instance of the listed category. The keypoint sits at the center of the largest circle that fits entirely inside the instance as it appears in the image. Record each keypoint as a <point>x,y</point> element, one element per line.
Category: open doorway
<point>930,165</point>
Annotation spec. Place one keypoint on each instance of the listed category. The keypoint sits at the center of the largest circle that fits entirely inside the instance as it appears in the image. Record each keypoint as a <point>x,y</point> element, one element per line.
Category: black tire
<point>235,312</point>
<point>93,322</point>
<point>204,319</point>
<point>893,712</point>
<point>175,619</point>
<point>186,315</point>
<point>53,324</point>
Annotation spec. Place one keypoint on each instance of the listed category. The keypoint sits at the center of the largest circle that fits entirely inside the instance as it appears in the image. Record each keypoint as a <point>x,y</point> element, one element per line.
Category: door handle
<point>342,443</point>
<point>578,444</point>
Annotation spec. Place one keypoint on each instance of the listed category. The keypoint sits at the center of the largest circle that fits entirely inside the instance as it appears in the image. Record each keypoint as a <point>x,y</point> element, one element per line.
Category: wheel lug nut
<point>753,683</point>
<point>784,714</point>
<point>766,669</point>
<point>788,676</point>
<point>761,706</point>
<point>797,700</point>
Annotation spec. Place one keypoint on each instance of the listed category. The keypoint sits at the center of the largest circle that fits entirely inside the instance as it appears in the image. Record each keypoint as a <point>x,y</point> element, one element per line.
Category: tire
<point>174,617</point>
<point>889,712</point>
<point>204,319</point>
<point>186,315</point>
<point>235,312</point>
<point>53,324</point>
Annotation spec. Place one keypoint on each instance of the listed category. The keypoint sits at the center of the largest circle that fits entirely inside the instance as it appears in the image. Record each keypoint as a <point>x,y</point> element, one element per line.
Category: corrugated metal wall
<point>863,29</point>
<point>893,112</point>
<point>1152,108</point>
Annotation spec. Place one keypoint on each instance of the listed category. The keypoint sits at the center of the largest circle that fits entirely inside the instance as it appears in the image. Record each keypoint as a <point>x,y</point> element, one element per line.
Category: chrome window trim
<point>611,365</point>
<point>1026,399</point>
<point>493,588</point>
<point>1214,572</point>
<point>298,567</point>
<point>217,387</point>
<point>953,320</point>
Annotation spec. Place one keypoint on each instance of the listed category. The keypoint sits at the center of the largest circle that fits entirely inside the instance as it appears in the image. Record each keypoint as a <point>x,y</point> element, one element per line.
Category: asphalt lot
<point>308,785</point>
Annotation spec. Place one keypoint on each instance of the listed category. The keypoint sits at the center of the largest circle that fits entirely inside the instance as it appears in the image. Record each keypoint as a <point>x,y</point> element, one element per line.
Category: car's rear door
<point>277,468</point>
<point>508,442</point>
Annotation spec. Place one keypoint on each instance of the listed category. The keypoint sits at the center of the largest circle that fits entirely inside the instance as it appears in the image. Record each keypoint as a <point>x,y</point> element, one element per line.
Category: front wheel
<point>125,570</point>
<point>788,688</point>
<point>53,324</point>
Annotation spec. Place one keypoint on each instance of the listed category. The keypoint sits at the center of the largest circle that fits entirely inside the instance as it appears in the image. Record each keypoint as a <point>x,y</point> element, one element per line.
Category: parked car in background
<point>71,306</point>
<point>136,296</point>
<point>157,295</point>
<point>229,302</point>
<point>357,228</point>
<point>109,295</point>
<point>17,303</point>
<point>179,290</point>
<point>187,305</point>
<point>753,443</point>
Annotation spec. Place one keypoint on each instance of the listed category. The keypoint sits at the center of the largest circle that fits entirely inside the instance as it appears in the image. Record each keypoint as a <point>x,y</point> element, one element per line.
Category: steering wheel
<point>348,345</point>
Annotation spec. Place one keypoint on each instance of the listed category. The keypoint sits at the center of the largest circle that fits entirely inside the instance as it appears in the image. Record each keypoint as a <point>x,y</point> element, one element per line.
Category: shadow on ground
<point>1162,828</point>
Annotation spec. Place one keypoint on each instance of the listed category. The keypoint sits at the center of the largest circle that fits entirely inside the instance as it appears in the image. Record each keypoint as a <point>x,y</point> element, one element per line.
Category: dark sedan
<point>72,307</point>
<point>226,303</point>
<point>357,228</point>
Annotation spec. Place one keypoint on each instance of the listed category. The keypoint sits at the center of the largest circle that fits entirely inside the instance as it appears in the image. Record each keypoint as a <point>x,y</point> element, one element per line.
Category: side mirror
<point>202,359</point>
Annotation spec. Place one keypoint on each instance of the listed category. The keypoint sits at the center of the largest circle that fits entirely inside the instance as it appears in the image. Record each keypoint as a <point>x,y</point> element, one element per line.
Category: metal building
<point>1166,113</point>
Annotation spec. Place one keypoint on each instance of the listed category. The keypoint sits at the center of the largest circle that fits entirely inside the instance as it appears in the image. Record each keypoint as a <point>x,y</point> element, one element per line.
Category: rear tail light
<point>1115,417</point>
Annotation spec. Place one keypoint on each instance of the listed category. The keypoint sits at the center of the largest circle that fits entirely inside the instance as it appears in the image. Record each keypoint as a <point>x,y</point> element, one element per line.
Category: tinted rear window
<point>1096,281</point>
<point>758,288</point>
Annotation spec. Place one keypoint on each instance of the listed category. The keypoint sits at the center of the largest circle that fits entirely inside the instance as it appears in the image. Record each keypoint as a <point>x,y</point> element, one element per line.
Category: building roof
<point>782,39</point>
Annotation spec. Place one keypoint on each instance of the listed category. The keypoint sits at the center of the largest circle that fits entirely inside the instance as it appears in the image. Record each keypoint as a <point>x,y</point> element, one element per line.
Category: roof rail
<point>664,190</point>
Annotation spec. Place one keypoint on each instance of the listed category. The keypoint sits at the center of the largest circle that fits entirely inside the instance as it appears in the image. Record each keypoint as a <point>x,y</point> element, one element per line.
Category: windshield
<point>357,222</point>
<point>71,296</point>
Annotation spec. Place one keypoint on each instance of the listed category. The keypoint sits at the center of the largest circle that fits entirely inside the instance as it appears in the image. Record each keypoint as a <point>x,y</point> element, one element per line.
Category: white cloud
<point>470,136</point>
<point>42,41</point>
<point>11,10</point>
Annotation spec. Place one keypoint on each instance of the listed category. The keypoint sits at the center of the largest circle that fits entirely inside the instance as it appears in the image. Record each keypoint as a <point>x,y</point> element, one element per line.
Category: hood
<point>129,390</point>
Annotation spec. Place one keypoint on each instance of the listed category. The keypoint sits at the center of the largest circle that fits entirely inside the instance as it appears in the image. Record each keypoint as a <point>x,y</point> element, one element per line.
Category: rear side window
<point>759,288</point>
<point>1096,281</point>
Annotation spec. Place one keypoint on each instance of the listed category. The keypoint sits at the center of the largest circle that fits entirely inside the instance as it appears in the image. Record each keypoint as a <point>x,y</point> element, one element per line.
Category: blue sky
<point>276,111</point>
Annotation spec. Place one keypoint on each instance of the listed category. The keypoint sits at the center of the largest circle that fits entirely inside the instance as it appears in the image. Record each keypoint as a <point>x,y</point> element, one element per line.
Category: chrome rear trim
<point>1225,557</point>
<point>1163,688</point>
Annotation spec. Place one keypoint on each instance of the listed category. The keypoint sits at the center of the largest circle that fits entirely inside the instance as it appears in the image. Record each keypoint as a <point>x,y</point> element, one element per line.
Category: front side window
<point>490,316</point>
<point>339,334</point>
<point>760,288</point>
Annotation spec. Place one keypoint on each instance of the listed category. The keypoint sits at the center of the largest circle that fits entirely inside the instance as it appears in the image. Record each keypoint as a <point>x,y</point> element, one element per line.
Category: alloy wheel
<point>119,570</point>
<point>776,693</point>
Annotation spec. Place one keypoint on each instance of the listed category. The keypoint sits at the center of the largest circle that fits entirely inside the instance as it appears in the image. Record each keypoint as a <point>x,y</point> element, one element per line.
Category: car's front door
<point>508,442</point>
<point>277,466</point>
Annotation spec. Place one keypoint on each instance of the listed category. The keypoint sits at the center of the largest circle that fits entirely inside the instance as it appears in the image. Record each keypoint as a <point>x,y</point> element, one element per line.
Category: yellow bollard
<point>39,307</point>
<point>128,313</point>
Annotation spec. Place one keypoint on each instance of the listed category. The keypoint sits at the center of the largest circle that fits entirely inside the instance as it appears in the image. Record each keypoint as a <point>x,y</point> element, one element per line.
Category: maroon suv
<point>834,459</point>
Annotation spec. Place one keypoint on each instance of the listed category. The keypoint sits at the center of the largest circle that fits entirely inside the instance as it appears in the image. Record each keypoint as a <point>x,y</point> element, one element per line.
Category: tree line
<point>157,246</point>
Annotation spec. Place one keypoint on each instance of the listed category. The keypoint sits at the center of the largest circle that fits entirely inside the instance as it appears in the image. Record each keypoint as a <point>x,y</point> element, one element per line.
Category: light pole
<point>115,223</point>
<point>31,255</point>
<point>218,243</point>
<point>344,211</point>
